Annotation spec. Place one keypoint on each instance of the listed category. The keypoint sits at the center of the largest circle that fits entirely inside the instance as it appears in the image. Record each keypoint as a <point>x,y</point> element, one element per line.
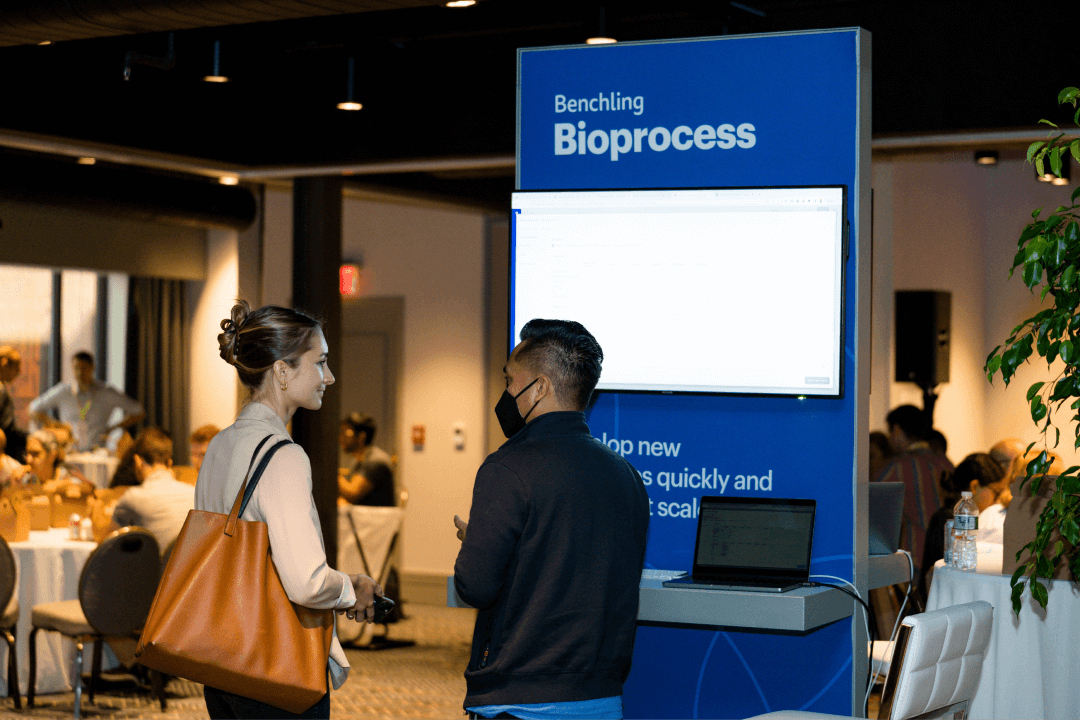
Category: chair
<point>116,589</point>
<point>936,665</point>
<point>9,606</point>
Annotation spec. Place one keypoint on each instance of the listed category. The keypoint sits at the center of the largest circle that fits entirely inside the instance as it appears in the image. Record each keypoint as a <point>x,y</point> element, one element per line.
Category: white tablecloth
<point>1030,670</point>
<point>48,565</point>
<point>98,468</point>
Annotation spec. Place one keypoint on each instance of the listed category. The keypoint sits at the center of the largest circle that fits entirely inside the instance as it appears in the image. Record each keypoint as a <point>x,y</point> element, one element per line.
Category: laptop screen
<point>754,536</point>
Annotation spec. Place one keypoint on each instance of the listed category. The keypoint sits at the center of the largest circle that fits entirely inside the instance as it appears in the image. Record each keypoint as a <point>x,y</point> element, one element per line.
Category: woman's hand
<point>366,590</point>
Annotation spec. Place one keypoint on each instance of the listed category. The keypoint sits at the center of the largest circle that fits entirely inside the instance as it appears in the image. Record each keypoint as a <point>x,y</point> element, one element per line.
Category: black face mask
<point>506,411</point>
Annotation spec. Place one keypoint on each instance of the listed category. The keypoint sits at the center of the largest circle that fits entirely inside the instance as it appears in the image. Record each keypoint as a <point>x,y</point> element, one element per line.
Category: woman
<point>43,458</point>
<point>280,354</point>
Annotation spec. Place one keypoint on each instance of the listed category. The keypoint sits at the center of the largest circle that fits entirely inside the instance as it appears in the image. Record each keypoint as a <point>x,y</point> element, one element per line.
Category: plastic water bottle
<point>948,542</point>
<point>965,523</point>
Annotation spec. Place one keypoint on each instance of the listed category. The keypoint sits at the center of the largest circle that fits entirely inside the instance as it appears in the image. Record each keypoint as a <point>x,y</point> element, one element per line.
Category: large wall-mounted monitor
<point>707,290</point>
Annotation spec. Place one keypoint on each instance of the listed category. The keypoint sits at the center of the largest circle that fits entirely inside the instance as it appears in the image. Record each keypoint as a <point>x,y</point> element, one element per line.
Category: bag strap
<point>244,495</point>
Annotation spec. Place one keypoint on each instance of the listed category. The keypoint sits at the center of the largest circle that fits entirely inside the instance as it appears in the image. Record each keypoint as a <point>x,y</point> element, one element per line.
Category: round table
<point>97,467</point>
<point>49,564</point>
<point>1030,667</point>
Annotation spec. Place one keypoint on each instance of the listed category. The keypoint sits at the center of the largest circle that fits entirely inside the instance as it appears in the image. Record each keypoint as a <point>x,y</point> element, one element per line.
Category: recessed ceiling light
<point>45,42</point>
<point>229,180</point>
<point>215,78</point>
<point>87,161</point>
<point>349,106</point>
<point>461,3</point>
<point>986,157</point>
<point>600,41</point>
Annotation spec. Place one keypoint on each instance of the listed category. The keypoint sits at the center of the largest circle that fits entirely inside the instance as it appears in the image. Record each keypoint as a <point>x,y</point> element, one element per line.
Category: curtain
<point>157,352</point>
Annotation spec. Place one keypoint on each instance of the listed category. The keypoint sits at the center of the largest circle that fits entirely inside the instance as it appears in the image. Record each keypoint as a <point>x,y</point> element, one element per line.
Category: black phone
<point>383,607</point>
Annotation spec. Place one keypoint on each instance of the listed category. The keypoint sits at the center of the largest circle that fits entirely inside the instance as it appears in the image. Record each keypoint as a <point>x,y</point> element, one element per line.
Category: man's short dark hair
<point>361,423</point>
<point>84,357</point>
<point>910,419</point>
<point>567,353</point>
<point>154,446</point>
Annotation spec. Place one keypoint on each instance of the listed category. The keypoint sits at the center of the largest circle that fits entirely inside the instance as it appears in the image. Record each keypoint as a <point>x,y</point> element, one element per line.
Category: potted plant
<point>1049,258</point>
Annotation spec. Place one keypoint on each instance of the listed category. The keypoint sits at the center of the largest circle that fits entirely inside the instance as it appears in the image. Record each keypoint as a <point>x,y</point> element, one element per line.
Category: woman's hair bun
<point>229,339</point>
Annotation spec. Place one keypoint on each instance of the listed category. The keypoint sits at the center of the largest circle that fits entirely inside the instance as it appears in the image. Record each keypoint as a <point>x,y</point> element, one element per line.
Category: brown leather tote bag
<point>221,616</point>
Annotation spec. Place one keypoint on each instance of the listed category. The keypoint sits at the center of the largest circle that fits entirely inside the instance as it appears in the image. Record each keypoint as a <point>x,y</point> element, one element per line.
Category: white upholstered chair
<point>936,665</point>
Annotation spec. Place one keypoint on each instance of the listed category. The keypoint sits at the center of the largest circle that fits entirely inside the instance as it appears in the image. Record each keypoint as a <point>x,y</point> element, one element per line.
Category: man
<point>159,503</point>
<point>920,469</point>
<point>87,405</point>
<point>10,367</point>
<point>553,550</point>
<point>370,481</point>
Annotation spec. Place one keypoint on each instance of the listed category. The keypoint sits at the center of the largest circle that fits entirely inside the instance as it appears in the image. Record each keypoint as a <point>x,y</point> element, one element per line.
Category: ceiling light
<point>601,36</point>
<point>45,42</point>
<point>87,161</point>
<point>349,103</point>
<point>229,180</point>
<point>461,3</point>
<point>986,157</point>
<point>216,76</point>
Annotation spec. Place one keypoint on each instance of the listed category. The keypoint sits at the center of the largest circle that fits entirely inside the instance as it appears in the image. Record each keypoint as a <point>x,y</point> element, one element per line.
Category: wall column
<point>316,254</point>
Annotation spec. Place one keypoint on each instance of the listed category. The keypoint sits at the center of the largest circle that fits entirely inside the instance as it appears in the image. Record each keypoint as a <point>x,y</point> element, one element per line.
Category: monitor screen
<point>709,290</point>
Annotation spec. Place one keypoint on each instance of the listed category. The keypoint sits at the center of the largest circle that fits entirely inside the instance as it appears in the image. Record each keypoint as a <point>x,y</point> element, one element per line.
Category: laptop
<point>886,502</point>
<point>755,544</point>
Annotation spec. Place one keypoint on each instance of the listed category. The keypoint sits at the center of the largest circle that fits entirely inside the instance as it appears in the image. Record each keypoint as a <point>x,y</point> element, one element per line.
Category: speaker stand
<point>929,397</point>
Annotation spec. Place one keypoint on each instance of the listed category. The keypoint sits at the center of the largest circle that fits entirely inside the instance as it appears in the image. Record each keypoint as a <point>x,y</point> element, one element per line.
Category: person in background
<point>159,503</point>
<point>10,367</point>
<point>555,543</point>
<point>921,471</point>
<point>87,405</point>
<point>880,452</point>
<point>43,458</point>
<point>979,474</point>
<point>370,481</point>
<point>937,442</point>
<point>1005,452</point>
<point>11,470</point>
<point>124,475</point>
<point>198,442</point>
<point>281,356</point>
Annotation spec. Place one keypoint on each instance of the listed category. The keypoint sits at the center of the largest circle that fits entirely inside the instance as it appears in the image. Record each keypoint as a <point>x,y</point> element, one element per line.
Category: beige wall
<point>944,223</point>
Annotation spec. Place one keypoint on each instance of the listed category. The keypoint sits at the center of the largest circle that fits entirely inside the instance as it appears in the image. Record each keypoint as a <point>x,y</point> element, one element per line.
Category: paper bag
<point>68,498</point>
<point>14,519</point>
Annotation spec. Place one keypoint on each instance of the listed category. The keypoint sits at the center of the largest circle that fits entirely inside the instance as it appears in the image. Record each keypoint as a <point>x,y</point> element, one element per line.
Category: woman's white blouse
<point>283,501</point>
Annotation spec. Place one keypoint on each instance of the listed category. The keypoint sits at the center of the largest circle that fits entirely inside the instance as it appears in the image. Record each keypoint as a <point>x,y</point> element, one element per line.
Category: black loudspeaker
<point>922,336</point>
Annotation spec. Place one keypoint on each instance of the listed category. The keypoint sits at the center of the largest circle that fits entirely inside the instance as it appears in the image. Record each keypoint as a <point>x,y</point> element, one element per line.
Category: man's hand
<point>366,590</point>
<point>461,526</point>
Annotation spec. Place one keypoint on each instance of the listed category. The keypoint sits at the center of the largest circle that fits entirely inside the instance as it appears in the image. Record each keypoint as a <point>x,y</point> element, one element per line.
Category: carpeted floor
<point>421,681</point>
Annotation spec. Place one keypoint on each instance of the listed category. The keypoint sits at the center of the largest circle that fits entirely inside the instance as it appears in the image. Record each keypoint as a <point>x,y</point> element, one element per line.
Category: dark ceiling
<point>439,82</point>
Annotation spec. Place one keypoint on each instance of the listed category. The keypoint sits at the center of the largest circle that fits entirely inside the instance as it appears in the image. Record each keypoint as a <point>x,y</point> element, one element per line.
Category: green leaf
<point>1038,591</point>
<point>1067,351</point>
<point>1075,192</point>
<point>1043,567</point>
<point>1060,248</point>
<point>1032,149</point>
<point>1068,278</point>
<point>1032,274</point>
<point>1055,161</point>
<point>1072,233</point>
<point>1018,573</point>
<point>1068,94</point>
<point>1047,122</point>
<point>1038,410</point>
<point>1074,148</point>
<point>1052,351</point>
<point>1034,389</point>
<point>1035,213</point>
<point>1039,166</point>
<point>1017,592</point>
<point>1070,530</point>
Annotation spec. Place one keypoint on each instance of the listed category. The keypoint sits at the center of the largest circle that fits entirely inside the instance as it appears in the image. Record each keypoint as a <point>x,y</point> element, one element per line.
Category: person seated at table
<point>43,458</point>
<point>124,474</point>
<point>370,481</point>
<point>1006,451</point>
<point>880,452</point>
<point>159,503</point>
<point>11,470</point>
<point>994,502</point>
<point>199,441</point>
